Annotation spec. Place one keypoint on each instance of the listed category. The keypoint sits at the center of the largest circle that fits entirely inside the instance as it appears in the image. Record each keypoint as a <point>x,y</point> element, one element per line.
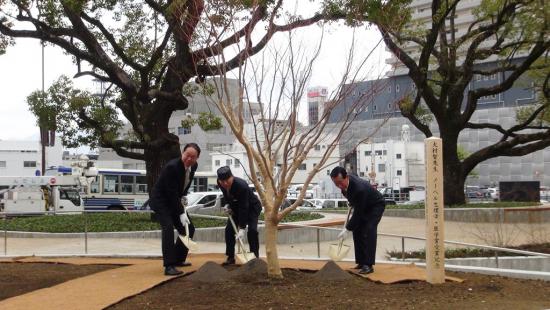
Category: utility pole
<point>44,134</point>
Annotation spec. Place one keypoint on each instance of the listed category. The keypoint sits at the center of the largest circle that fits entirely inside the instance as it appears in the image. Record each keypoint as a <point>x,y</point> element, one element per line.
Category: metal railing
<point>403,238</point>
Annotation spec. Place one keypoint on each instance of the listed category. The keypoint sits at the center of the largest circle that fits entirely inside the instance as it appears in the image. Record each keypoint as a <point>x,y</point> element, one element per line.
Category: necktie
<point>187,180</point>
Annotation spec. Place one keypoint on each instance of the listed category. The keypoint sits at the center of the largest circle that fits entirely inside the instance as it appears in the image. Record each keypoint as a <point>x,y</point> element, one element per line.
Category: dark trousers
<point>173,252</point>
<point>365,235</point>
<point>251,235</point>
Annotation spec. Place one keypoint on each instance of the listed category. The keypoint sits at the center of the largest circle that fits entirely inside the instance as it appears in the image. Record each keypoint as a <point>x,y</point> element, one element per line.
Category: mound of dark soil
<point>210,272</point>
<point>331,272</point>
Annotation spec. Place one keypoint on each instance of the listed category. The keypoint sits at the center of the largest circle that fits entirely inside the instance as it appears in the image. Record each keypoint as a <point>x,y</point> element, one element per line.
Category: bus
<point>126,189</point>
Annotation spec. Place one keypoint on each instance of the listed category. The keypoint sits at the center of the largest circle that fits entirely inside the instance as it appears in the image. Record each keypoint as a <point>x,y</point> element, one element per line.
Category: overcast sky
<point>21,72</point>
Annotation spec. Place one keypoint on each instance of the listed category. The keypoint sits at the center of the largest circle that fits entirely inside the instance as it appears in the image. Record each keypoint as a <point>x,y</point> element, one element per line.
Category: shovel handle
<point>240,242</point>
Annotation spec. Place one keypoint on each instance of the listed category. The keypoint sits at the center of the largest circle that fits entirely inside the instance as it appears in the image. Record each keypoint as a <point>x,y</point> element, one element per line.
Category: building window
<point>317,147</point>
<point>389,89</point>
<point>184,131</point>
<point>328,172</point>
<point>398,156</point>
<point>389,106</point>
<point>302,167</point>
<point>29,164</point>
<point>381,167</point>
<point>237,163</point>
<point>228,162</point>
<point>2,164</point>
<point>399,172</point>
<point>378,153</point>
<point>397,88</point>
<point>361,174</point>
<point>374,108</point>
<point>367,153</point>
<point>217,163</point>
<point>384,152</point>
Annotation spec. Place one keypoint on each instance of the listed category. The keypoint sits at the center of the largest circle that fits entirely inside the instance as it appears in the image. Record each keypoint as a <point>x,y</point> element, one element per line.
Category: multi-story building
<point>24,158</point>
<point>392,163</point>
<point>235,157</point>
<point>316,98</point>
<point>383,94</point>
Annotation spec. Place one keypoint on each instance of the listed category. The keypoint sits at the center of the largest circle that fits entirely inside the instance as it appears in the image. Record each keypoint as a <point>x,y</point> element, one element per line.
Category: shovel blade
<point>245,257</point>
<point>189,243</point>
<point>337,252</point>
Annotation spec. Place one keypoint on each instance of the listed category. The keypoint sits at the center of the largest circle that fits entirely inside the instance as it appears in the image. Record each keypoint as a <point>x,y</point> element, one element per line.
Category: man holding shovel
<point>173,183</point>
<point>368,206</point>
<point>242,205</point>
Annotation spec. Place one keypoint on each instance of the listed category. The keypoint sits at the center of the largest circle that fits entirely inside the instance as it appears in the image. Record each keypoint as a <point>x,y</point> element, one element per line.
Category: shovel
<point>242,256</point>
<point>339,250</point>
<point>187,241</point>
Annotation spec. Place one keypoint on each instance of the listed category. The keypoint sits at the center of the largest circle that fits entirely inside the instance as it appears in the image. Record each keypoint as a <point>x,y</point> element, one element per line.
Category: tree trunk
<point>155,159</point>
<point>453,174</point>
<point>273,267</point>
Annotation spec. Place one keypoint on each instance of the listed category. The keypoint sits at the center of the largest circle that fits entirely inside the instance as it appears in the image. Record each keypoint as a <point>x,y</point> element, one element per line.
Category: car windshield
<point>192,198</point>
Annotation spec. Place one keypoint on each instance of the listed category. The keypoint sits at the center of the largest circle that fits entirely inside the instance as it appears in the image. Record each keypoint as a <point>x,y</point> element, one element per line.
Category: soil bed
<point>303,290</point>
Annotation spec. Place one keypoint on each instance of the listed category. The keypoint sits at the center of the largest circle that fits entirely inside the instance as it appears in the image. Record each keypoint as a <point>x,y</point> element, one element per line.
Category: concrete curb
<point>537,215</point>
<point>212,234</point>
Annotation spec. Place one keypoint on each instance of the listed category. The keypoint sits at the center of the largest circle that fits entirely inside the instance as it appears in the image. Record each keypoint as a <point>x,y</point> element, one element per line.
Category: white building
<point>421,16</point>
<point>235,157</point>
<point>394,163</point>
<point>24,158</point>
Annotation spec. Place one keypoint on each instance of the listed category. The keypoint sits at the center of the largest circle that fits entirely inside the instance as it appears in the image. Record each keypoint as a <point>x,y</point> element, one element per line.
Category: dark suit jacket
<point>168,190</point>
<point>243,202</point>
<point>363,198</point>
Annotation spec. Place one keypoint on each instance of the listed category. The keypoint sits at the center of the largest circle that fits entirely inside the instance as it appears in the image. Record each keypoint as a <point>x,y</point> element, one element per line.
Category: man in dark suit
<point>173,183</point>
<point>368,206</point>
<point>244,207</point>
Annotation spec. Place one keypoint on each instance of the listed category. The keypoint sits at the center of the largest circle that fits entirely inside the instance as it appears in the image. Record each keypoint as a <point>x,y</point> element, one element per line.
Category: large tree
<point>510,35</point>
<point>146,52</point>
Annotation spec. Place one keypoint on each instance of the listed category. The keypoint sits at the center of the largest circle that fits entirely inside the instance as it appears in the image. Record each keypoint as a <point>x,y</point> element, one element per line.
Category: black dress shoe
<point>183,264</point>
<point>366,269</point>
<point>229,261</point>
<point>172,271</point>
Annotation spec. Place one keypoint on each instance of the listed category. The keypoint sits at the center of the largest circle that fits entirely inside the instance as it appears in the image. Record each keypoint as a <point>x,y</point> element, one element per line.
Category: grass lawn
<point>474,252</point>
<point>108,222</point>
<point>468,205</point>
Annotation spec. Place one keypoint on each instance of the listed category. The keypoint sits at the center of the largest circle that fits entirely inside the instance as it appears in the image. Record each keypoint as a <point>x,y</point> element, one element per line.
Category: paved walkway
<point>479,233</point>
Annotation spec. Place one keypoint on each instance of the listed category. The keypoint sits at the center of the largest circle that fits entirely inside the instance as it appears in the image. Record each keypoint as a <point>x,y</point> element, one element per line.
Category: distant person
<point>244,207</point>
<point>368,206</point>
<point>173,183</point>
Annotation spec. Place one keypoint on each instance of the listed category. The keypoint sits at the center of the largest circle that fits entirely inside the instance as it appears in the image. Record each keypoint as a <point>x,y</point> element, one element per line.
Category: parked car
<point>294,190</point>
<point>202,201</point>
<point>473,192</point>
<point>329,203</point>
<point>493,193</point>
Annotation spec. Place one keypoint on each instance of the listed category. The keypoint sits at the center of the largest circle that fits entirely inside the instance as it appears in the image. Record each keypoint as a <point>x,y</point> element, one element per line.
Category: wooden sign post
<point>435,246</point>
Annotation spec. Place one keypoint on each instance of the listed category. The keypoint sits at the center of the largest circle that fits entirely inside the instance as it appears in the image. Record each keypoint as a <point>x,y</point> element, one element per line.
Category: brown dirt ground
<point>20,278</point>
<point>300,290</point>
